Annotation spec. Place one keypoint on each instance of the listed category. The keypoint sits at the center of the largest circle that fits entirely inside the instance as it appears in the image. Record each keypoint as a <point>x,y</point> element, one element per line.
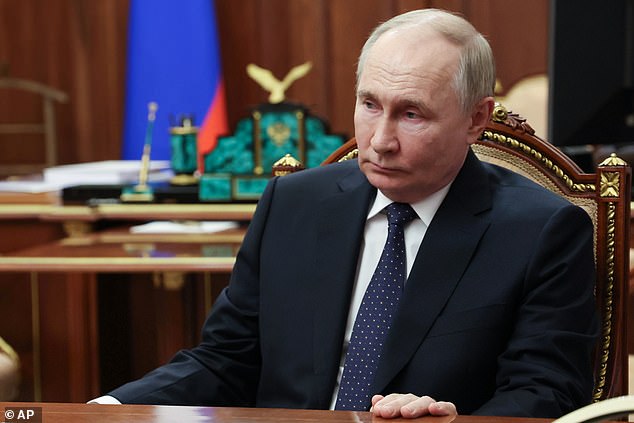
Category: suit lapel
<point>444,255</point>
<point>342,214</point>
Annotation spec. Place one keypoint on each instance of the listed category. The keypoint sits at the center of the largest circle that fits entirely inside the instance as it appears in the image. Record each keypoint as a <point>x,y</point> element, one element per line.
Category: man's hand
<point>410,406</point>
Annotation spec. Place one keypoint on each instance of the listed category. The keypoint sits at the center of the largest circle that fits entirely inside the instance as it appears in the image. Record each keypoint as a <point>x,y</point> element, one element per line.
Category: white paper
<point>189,227</point>
<point>30,187</point>
<point>105,172</point>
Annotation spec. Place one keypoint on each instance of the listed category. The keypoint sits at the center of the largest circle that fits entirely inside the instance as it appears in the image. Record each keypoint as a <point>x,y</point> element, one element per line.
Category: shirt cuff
<point>106,399</point>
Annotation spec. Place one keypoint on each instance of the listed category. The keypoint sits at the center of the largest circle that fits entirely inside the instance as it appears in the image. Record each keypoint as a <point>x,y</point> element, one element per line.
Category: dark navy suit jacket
<point>498,314</point>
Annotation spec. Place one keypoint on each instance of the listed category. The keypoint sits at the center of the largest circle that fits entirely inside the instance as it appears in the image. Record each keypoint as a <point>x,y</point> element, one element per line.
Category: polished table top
<point>80,413</point>
<point>141,212</point>
<point>118,250</point>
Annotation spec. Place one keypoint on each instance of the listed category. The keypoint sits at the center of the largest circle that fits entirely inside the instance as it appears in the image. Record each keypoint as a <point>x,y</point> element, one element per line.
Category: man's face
<point>411,131</point>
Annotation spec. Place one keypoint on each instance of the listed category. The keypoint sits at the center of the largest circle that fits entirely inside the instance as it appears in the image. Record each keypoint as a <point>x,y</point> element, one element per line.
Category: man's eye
<point>369,105</point>
<point>411,115</point>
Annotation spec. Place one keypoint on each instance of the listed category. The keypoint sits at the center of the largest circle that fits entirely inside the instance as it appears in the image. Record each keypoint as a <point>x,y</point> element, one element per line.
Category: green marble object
<point>184,158</point>
<point>247,156</point>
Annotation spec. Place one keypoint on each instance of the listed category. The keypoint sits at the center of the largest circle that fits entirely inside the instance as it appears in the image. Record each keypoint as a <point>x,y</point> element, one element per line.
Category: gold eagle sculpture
<point>274,86</point>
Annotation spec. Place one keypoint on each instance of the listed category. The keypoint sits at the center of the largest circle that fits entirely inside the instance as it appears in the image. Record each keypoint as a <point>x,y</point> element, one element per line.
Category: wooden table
<point>109,306</point>
<point>88,305</point>
<point>117,250</point>
<point>91,413</point>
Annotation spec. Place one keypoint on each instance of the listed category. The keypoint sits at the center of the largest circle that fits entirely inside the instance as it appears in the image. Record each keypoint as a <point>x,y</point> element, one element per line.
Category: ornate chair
<point>509,141</point>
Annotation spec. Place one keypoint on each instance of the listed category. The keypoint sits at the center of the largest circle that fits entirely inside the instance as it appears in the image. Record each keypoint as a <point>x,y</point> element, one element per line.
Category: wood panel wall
<point>79,47</point>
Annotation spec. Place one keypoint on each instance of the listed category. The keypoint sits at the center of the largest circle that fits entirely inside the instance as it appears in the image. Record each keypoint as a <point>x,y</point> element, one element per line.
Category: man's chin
<point>383,182</point>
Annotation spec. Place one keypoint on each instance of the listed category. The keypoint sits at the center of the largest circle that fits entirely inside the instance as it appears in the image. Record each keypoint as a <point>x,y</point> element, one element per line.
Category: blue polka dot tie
<point>374,318</point>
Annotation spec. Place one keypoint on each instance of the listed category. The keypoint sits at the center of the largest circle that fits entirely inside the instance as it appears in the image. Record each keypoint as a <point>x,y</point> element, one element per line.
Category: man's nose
<point>384,137</point>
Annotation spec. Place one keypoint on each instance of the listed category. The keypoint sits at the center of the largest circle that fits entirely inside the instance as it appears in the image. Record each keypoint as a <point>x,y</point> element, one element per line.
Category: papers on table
<point>189,227</point>
<point>105,172</point>
<point>29,187</point>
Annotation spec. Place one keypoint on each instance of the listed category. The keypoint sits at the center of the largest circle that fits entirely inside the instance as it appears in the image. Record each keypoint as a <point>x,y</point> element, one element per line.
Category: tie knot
<point>400,213</point>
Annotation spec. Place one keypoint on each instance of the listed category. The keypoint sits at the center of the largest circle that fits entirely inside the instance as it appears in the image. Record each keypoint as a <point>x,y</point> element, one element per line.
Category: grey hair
<point>475,76</point>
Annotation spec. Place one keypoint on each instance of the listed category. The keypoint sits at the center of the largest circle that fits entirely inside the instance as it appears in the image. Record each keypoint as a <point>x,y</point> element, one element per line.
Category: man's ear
<point>480,117</point>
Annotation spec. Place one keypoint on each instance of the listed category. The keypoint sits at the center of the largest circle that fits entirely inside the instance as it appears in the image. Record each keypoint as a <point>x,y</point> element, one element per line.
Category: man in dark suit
<point>496,316</point>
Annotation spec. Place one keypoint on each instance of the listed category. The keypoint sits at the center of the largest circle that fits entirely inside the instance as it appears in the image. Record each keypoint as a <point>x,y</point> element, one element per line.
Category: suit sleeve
<point>223,370</point>
<point>546,369</point>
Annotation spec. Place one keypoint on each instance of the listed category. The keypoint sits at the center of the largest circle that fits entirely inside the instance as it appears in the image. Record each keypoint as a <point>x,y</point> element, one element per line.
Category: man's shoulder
<point>324,174</point>
<point>510,181</point>
<point>311,184</point>
<point>518,198</point>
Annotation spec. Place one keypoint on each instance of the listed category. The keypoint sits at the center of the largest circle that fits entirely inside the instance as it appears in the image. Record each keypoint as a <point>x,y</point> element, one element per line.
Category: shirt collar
<point>425,208</point>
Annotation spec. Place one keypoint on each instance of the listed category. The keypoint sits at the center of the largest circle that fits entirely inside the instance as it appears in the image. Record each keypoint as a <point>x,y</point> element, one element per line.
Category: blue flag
<point>173,60</point>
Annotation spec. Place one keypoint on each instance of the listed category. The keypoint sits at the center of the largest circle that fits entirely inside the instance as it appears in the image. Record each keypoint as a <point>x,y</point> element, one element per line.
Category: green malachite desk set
<point>239,167</point>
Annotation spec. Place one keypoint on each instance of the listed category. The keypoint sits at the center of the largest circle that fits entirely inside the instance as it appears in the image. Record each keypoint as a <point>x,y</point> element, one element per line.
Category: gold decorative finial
<point>613,160</point>
<point>500,114</point>
<point>274,86</point>
<point>287,164</point>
